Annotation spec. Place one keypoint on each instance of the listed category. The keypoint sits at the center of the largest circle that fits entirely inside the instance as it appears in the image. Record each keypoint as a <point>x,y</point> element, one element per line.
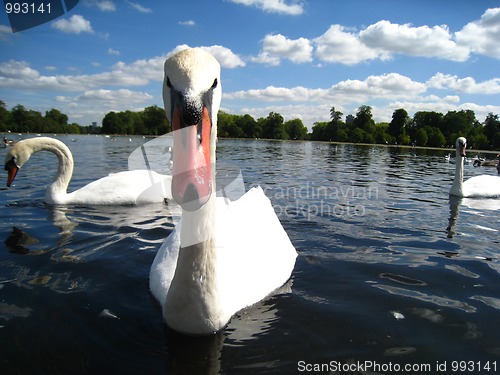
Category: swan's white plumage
<point>485,186</point>
<point>127,187</point>
<point>254,254</point>
<point>226,255</point>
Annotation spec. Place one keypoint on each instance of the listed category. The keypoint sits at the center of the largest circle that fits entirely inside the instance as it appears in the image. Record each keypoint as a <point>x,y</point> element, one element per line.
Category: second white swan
<point>127,187</point>
<point>486,186</point>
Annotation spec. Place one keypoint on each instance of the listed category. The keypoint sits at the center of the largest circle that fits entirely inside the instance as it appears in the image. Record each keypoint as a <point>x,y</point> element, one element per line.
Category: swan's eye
<point>169,84</point>
<point>214,85</point>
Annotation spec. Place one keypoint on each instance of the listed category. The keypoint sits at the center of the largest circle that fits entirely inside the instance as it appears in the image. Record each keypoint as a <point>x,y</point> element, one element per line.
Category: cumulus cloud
<point>20,75</point>
<point>277,47</point>
<point>76,24</point>
<point>466,85</point>
<point>392,85</point>
<point>274,6</point>
<point>277,94</point>
<point>101,95</point>
<point>423,41</point>
<point>384,39</point>
<point>339,45</point>
<point>387,86</point>
<point>106,6</point>
<point>13,70</point>
<point>483,36</point>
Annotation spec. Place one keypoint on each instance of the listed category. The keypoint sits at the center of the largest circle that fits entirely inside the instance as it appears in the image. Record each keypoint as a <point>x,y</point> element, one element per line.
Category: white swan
<point>477,186</point>
<point>223,256</point>
<point>127,187</point>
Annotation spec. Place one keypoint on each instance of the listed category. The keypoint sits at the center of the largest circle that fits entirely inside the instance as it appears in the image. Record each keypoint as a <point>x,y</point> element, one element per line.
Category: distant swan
<point>223,256</point>
<point>478,186</point>
<point>127,187</point>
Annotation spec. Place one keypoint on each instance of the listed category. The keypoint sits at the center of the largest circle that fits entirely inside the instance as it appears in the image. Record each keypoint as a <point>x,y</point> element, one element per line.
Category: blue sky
<point>297,58</point>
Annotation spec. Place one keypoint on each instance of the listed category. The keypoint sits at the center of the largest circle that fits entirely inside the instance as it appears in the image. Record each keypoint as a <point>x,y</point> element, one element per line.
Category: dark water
<point>383,279</point>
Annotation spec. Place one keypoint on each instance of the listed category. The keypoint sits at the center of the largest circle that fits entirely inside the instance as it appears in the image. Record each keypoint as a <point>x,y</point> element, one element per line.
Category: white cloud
<point>139,7</point>
<point>5,32</point>
<point>76,24</point>
<point>483,36</point>
<point>106,6</point>
<point>19,75</point>
<point>121,95</point>
<point>387,86</point>
<point>17,70</point>
<point>274,6</point>
<point>466,85</point>
<point>278,94</point>
<point>338,45</point>
<point>187,23</point>
<point>423,41</point>
<point>276,47</point>
<point>112,51</point>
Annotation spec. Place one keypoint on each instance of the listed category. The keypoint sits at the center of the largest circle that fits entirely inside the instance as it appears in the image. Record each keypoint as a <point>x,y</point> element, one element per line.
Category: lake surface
<point>390,272</point>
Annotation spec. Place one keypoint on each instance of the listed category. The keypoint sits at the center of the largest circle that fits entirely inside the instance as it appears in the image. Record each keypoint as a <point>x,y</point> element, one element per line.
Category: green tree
<point>112,124</point>
<point>364,119</point>
<point>436,137</point>
<point>492,130</point>
<point>398,124</point>
<point>154,120</point>
<point>357,135</point>
<point>4,116</point>
<point>319,131</point>
<point>421,137</point>
<point>248,126</point>
<point>273,127</point>
<point>457,123</point>
<point>295,129</point>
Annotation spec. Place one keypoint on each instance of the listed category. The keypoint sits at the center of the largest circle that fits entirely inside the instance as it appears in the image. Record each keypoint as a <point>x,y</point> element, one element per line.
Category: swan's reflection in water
<point>454,212</point>
<point>472,205</point>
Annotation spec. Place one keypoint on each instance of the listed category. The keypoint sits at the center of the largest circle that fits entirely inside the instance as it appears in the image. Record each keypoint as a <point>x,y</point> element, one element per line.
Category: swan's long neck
<point>59,186</point>
<point>193,300</point>
<point>457,187</point>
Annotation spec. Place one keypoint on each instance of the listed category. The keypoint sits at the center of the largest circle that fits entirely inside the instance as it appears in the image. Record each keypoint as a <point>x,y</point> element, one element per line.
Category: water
<point>384,277</point>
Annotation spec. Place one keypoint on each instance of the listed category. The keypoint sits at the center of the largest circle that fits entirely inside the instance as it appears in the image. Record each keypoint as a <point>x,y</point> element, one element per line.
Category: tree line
<point>425,128</point>
<point>151,121</point>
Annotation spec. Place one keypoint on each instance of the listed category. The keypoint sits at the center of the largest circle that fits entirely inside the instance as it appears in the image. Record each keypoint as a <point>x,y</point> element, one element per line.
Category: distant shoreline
<point>279,140</point>
<point>367,144</point>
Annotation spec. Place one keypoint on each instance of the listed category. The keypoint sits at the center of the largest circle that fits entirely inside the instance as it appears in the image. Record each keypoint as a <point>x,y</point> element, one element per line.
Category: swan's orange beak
<point>12,170</point>
<point>191,174</point>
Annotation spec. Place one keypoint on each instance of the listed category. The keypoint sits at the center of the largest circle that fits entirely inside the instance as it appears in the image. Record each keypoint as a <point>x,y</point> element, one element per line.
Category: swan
<point>486,186</point>
<point>127,187</point>
<point>223,255</point>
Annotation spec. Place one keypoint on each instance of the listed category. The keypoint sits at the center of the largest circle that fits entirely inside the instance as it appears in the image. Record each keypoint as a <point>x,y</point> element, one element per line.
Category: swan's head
<point>191,95</point>
<point>461,145</point>
<point>14,160</point>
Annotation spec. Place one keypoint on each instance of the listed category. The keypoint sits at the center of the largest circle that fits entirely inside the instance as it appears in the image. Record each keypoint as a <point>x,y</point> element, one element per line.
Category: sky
<point>298,58</point>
